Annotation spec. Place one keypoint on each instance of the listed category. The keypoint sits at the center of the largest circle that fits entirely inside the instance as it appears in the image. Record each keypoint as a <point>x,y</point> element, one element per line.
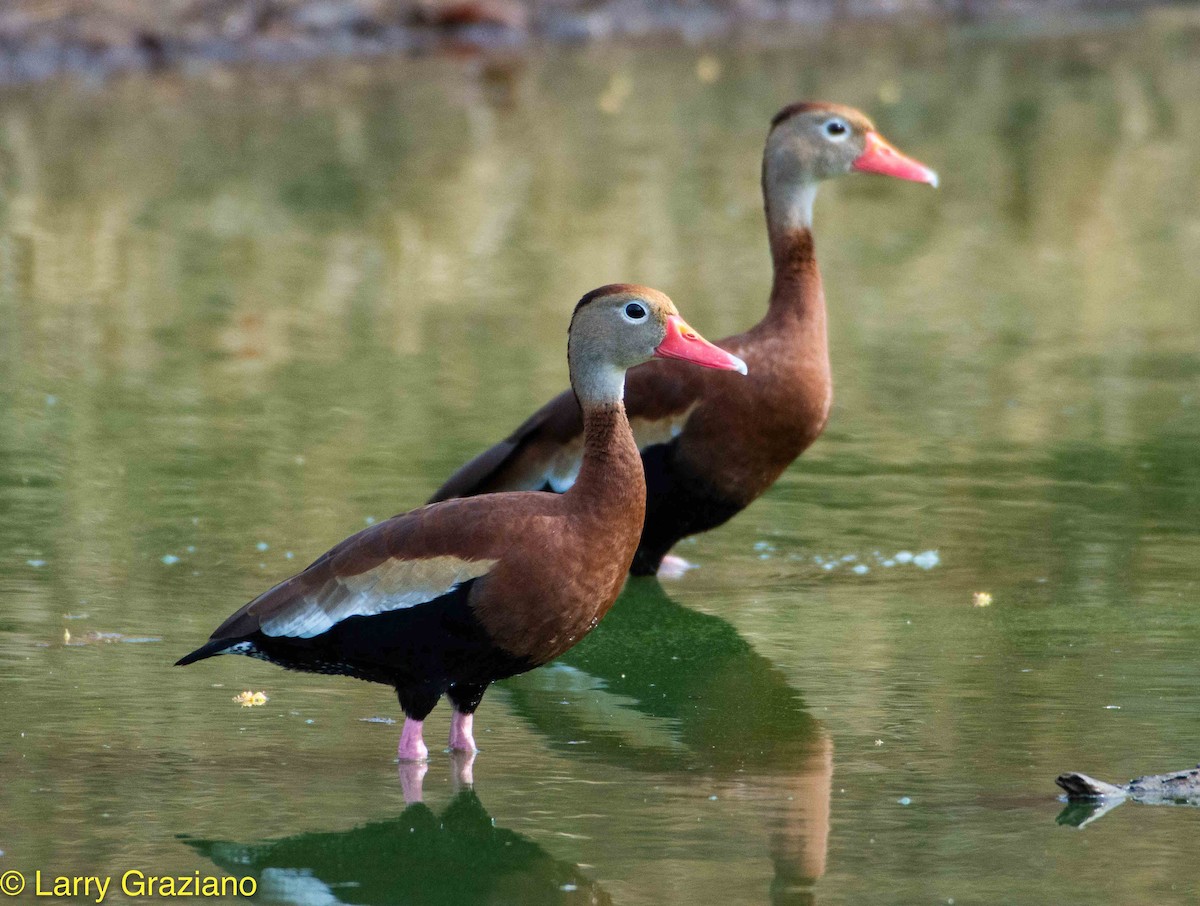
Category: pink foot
<point>461,739</point>
<point>463,764</point>
<point>412,746</point>
<point>412,775</point>
<point>673,567</point>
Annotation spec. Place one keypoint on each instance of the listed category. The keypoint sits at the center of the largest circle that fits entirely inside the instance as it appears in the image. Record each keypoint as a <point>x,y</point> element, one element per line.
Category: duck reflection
<point>657,687</point>
<point>419,857</point>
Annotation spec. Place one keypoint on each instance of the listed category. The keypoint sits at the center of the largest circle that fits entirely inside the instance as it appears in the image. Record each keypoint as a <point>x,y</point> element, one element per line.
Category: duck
<point>451,597</point>
<point>710,446</point>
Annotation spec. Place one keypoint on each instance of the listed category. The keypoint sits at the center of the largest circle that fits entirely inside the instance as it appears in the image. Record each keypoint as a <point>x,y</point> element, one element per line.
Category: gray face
<point>621,330</point>
<point>815,145</point>
<point>613,333</point>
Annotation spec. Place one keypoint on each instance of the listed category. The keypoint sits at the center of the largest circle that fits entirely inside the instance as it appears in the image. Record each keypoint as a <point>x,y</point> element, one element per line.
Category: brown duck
<point>712,443</point>
<point>451,597</point>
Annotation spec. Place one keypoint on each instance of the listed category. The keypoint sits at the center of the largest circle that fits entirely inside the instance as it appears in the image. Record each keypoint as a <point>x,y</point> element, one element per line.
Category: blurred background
<point>270,271</point>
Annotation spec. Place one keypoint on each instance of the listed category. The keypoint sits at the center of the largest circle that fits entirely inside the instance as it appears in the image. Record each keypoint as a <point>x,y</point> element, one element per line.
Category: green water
<point>244,312</point>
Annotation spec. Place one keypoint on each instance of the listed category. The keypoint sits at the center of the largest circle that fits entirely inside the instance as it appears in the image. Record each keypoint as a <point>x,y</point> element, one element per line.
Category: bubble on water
<point>262,546</point>
<point>289,555</point>
<point>369,520</point>
<point>827,566</point>
<point>904,557</point>
<point>904,800</point>
<point>849,558</point>
<point>170,559</point>
<point>191,548</point>
<point>568,888</point>
<point>860,569</point>
<point>36,564</point>
<point>712,798</point>
<point>927,559</point>
<point>889,563</point>
<point>1112,707</point>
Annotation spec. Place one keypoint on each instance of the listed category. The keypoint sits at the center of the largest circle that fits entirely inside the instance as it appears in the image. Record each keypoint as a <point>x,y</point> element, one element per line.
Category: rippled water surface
<point>244,312</point>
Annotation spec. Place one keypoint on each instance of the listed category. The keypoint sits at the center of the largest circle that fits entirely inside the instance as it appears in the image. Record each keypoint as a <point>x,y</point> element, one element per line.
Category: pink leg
<point>673,567</point>
<point>461,739</point>
<point>412,746</point>
<point>412,773</point>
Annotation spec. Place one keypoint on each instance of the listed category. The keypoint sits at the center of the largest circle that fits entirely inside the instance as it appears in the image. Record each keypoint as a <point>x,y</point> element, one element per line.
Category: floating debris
<point>612,99</point>
<point>708,69</point>
<point>889,93</point>
<point>250,699</point>
<point>981,599</point>
<point>92,638</point>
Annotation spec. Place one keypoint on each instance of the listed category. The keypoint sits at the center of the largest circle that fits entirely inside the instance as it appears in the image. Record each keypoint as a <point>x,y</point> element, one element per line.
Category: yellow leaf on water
<point>250,699</point>
<point>981,599</point>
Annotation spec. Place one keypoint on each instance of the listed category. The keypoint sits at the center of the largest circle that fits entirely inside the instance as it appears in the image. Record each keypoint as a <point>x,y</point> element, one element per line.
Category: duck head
<point>810,142</point>
<point>622,325</point>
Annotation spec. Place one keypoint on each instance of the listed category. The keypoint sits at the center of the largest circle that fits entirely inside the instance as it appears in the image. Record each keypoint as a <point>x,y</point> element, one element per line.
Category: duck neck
<point>610,475</point>
<point>797,297</point>
<point>796,294</point>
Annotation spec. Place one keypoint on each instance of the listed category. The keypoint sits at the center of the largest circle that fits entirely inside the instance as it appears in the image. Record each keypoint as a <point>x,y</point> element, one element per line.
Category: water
<point>245,312</point>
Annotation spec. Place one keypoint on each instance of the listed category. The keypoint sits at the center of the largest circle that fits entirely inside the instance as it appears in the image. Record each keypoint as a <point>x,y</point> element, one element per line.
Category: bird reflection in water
<point>419,857</point>
<point>660,688</point>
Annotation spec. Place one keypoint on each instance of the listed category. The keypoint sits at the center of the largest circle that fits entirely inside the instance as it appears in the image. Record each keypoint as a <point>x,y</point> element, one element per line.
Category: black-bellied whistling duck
<point>453,596</point>
<point>711,445</point>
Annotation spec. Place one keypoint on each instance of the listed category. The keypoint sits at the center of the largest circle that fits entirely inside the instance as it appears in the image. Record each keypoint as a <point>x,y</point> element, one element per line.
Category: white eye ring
<point>634,312</point>
<point>836,129</point>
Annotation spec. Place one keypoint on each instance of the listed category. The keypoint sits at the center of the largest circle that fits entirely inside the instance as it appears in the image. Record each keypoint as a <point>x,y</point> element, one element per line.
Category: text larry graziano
<point>135,883</point>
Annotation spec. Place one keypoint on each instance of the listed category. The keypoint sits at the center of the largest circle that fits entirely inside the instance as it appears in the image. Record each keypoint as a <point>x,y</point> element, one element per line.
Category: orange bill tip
<point>682,342</point>
<point>880,157</point>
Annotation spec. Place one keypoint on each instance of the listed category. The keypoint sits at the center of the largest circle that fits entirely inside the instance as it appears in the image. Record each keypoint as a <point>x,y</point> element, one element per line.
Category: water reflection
<point>660,688</point>
<point>457,855</point>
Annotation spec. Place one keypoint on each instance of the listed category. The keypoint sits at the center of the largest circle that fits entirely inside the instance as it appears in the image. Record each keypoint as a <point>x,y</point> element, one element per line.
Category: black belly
<point>679,502</point>
<point>422,651</point>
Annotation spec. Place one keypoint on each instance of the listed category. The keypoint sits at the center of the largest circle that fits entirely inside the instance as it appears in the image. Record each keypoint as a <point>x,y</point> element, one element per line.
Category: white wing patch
<point>564,468</point>
<point>392,585</point>
<point>647,433</point>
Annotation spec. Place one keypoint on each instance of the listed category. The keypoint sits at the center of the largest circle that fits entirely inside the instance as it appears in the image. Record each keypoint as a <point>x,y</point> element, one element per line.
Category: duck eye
<point>635,311</point>
<point>836,129</point>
